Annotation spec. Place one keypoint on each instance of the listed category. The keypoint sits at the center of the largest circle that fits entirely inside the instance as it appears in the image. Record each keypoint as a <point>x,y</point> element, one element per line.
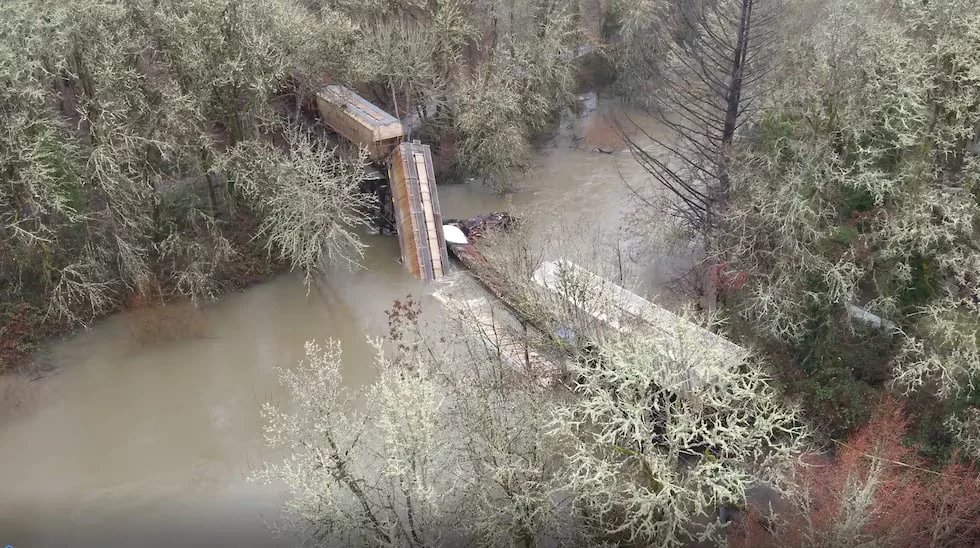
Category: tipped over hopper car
<point>417,214</point>
<point>359,121</point>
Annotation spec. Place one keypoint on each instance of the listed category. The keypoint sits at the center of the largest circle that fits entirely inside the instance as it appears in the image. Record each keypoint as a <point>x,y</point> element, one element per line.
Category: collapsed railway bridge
<point>409,206</point>
<point>404,183</point>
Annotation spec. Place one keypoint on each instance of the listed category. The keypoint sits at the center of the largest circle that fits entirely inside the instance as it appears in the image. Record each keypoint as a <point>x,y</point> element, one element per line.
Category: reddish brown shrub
<point>725,279</point>
<point>15,335</point>
<point>910,504</point>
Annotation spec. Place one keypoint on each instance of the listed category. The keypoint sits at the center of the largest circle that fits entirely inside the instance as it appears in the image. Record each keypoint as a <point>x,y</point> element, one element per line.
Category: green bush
<point>836,400</point>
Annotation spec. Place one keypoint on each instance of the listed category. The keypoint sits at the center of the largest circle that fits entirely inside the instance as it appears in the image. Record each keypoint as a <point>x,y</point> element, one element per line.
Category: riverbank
<point>26,327</point>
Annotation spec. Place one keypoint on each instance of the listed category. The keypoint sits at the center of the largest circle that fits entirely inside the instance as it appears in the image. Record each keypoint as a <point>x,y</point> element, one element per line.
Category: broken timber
<point>417,215</point>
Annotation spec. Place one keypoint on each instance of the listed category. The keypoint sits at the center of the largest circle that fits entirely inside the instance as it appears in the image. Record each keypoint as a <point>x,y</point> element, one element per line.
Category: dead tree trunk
<point>710,81</point>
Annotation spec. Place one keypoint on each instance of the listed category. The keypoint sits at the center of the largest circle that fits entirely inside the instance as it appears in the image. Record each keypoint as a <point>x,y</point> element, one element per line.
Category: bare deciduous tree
<point>116,116</point>
<point>374,475</point>
<point>310,199</point>
<point>651,458</point>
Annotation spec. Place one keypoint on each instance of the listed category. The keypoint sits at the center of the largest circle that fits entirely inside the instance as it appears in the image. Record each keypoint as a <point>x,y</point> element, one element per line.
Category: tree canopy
<point>858,187</point>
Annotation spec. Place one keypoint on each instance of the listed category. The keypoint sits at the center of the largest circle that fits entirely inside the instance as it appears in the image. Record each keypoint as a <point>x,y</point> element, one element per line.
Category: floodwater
<point>137,442</point>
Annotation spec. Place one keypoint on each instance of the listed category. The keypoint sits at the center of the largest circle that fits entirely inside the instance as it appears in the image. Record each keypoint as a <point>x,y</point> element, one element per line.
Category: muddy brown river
<point>129,438</point>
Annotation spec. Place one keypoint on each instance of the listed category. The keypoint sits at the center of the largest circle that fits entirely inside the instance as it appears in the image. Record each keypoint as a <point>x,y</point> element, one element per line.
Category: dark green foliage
<point>876,149</point>
<point>774,134</point>
<point>612,23</point>
<point>927,432</point>
<point>837,369</point>
<point>845,235</point>
<point>924,285</point>
<point>841,372</point>
<point>836,401</point>
<point>854,200</point>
